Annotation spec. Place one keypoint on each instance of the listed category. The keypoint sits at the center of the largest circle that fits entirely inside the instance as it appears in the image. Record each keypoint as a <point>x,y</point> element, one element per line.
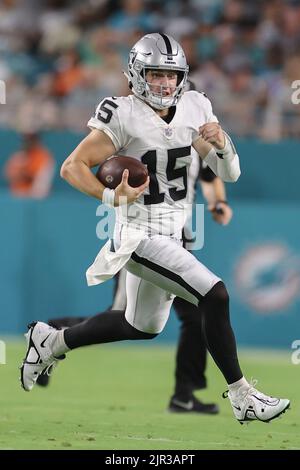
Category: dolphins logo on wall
<point>267,277</point>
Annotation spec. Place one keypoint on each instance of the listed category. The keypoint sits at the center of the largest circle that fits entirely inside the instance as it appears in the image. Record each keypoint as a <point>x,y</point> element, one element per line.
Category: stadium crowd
<point>59,58</point>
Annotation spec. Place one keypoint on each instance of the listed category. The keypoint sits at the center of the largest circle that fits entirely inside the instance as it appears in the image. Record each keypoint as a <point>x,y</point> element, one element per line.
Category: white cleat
<point>249,404</point>
<point>39,357</point>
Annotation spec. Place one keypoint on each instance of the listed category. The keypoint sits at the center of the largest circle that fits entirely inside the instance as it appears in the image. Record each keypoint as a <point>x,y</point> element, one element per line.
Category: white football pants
<point>160,269</point>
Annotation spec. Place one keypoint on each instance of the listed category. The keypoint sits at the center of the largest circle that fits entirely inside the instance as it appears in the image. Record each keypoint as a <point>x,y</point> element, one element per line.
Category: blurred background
<point>58,59</point>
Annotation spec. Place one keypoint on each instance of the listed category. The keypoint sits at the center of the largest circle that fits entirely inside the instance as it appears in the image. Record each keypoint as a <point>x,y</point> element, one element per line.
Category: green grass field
<point>115,397</point>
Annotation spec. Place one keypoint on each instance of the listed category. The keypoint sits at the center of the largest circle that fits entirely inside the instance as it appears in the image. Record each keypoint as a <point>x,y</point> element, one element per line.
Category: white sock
<point>234,387</point>
<point>58,345</point>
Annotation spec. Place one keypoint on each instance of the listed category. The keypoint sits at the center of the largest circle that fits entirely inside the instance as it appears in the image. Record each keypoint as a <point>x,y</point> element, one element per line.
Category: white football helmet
<point>158,52</point>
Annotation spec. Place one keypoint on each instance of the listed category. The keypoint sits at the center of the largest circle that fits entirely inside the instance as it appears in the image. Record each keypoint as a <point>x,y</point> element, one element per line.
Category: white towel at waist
<point>108,263</point>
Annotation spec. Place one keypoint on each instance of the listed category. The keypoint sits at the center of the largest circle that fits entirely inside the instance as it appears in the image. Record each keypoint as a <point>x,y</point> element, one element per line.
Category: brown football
<point>111,170</point>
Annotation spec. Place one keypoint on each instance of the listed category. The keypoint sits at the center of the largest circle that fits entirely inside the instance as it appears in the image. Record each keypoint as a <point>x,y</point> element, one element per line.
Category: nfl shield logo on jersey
<point>168,132</point>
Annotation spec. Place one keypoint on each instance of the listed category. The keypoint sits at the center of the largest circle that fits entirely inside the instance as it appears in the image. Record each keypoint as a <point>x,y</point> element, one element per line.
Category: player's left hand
<point>221,213</point>
<point>125,194</point>
<point>212,132</point>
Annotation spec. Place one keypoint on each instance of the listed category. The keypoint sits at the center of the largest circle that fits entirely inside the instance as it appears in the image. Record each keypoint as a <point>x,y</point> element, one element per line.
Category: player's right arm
<point>92,151</point>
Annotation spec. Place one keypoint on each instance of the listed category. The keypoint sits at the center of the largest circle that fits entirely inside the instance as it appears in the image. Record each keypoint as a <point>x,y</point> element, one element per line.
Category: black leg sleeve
<point>105,327</point>
<point>219,334</point>
<point>65,321</point>
<point>191,351</point>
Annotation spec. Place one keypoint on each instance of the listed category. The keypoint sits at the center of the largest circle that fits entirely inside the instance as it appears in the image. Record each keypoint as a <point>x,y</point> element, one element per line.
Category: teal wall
<point>258,257</point>
<point>47,245</point>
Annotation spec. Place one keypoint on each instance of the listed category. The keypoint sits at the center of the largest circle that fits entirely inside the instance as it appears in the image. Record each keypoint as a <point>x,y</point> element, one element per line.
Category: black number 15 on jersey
<point>172,173</point>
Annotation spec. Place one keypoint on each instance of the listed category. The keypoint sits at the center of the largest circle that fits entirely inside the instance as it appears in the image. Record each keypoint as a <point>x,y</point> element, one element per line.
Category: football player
<point>157,124</point>
<point>191,351</point>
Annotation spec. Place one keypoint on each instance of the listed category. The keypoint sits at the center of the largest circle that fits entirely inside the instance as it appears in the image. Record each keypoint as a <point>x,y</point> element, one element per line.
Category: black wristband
<point>217,208</point>
<point>222,201</point>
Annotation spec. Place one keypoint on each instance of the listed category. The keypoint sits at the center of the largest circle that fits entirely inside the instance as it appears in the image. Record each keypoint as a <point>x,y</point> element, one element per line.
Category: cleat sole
<point>28,339</point>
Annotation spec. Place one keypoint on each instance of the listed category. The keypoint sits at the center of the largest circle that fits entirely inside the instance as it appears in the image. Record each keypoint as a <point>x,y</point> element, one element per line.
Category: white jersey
<point>136,130</point>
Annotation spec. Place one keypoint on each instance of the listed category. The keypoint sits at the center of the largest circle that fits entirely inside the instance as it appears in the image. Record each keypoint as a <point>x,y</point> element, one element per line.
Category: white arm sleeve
<point>224,163</point>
